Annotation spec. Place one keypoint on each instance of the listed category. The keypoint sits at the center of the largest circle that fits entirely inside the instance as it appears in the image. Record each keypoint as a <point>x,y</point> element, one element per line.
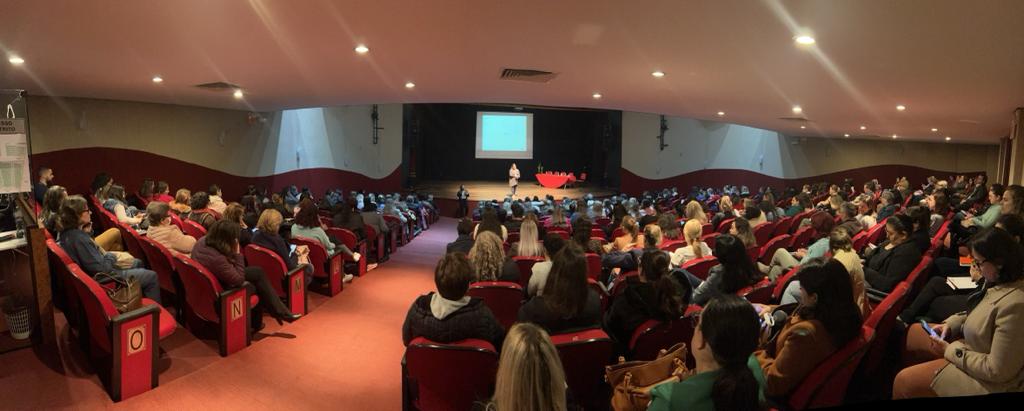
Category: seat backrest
<point>450,376</point>
<point>317,254</point>
<point>860,241</point>
<point>706,229</point>
<point>763,232</point>
<point>672,246</point>
<point>700,267</point>
<point>560,232</point>
<point>725,225</point>
<point>270,262</point>
<point>593,266</point>
<point>525,265</point>
<point>875,233</point>
<point>513,236</point>
<point>653,336</point>
<point>346,237</point>
<point>99,310</point>
<point>160,260</point>
<point>60,264</point>
<point>769,248</point>
<point>882,320</point>
<point>601,292</point>
<point>603,221</point>
<point>503,298</point>
<point>919,275</point>
<point>826,385</point>
<point>783,281</point>
<point>760,293</point>
<point>782,226</point>
<point>371,233</point>
<point>618,232</point>
<point>202,289</point>
<point>177,221</point>
<point>620,283</point>
<point>753,252</point>
<point>193,229</point>
<point>710,239</point>
<point>584,355</point>
<point>801,238</point>
<point>131,240</point>
<point>597,232</point>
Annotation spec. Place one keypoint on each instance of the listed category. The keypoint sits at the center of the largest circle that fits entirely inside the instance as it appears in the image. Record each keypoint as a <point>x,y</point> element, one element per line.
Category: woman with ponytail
<point>695,247</point>
<point>654,294</point>
<point>728,376</point>
<point>825,321</point>
<point>733,273</point>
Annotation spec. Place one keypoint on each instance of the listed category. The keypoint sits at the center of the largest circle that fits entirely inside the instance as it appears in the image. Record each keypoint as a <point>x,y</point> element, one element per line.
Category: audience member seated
<point>115,203</point>
<point>938,204</point>
<point>920,235</point>
<point>164,232</point>
<point>449,315</point>
<point>826,321</point>
<point>464,242</point>
<point>277,203</point>
<point>753,214</point>
<point>553,243</point>
<point>216,202</point>
<point>728,376</point>
<point>733,273</point>
<point>43,178</point>
<point>695,212</point>
<point>200,210</point>
<point>513,224</point>
<point>557,219</point>
<point>162,193</point>
<point>742,229</point>
<point>100,184</point>
<point>489,222</point>
<point>886,205</point>
<point>488,258</point>
<point>307,224</point>
<point>50,204</point>
<point>75,224</point>
<point>695,247</point>
<point>346,217</point>
<point>783,260</point>
<point>268,236</point>
<point>654,294</point>
<point>894,259</point>
<point>798,204</point>
<point>530,375</point>
<point>568,303</point>
<point>529,243</point>
<point>581,232</point>
<point>866,212</point>
<point>182,204</point>
<point>629,239</point>
<point>146,191</point>
<point>235,212</point>
<point>220,252</point>
<point>848,218</point>
<point>977,351</point>
<point>375,220</point>
<point>725,212</point>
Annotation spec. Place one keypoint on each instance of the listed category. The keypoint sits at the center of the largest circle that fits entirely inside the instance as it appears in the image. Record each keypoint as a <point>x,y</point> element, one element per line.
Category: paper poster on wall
<point>14,173</point>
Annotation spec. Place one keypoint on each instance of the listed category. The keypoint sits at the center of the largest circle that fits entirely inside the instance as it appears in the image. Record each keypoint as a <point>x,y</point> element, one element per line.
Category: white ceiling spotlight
<point>410,84</point>
<point>846,135</point>
<point>158,79</point>
<point>901,107</point>
<point>597,96</point>
<point>863,128</point>
<point>948,138</point>
<point>934,129</point>
<point>804,40</point>
<point>238,94</point>
<point>721,114</point>
<point>362,49</point>
<point>658,74</point>
<point>797,110</point>
<point>803,127</point>
<point>894,136</point>
<point>15,60</point>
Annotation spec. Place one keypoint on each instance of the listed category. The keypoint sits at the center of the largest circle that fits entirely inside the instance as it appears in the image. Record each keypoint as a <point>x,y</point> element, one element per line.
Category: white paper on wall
<point>14,173</point>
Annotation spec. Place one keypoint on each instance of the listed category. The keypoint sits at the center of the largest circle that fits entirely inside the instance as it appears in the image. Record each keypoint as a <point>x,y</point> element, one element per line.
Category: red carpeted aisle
<point>344,355</point>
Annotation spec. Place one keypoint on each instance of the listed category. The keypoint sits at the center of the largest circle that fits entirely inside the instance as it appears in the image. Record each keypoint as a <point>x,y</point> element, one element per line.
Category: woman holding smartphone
<point>975,352</point>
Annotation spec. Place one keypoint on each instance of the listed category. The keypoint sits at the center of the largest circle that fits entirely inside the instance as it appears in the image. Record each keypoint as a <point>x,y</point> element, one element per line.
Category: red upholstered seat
<point>432,381</point>
<point>620,283</point>
<point>672,246</point>
<point>327,268</point>
<point>593,266</point>
<point>700,267</point>
<point>653,336</point>
<point>584,355</point>
<point>782,226</point>
<point>167,322</point>
<point>860,240</point>
<point>525,265</point>
<point>353,243</point>
<point>290,285</point>
<point>193,229</point>
<point>769,248</point>
<point>800,239</point>
<point>710,239</point>
<point>725,225</point>
<point>760,293</point>
<point>882,319</point>
<point>706,229</point>
<point>826,385</point>
<point>502,297</point>
<point>782,282</point>
<point>209,302</point>
<point>763,233</point>
<point>131,241</point>
<point>877,233</point>
<point>601,292</point>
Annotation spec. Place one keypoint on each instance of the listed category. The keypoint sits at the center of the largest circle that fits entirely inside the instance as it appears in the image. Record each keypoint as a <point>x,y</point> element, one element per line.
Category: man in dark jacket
<point>450,315</point>
<point>465,241</point>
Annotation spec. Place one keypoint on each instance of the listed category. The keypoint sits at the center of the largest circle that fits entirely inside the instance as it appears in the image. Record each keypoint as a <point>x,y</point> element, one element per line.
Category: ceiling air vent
<point>218,86</point>
<point>535,76</point>
<point>796,119</point>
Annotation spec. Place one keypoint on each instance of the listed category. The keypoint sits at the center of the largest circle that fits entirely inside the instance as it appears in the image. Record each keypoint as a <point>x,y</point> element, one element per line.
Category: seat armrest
<point>136,313</point>
<point>875,295</point>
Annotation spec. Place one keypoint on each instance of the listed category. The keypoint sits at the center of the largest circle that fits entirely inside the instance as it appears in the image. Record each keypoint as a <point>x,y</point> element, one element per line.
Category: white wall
<point>696,144</point>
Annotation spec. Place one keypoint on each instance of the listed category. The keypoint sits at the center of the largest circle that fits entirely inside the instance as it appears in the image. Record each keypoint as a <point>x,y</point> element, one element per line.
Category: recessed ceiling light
<point>863,127</point>
<point>901,107</point>
<point>410,84</point>
<point>238,94</point>
<point>846,135</point>
<point>15,60</point>
<point>158,79</point>
<point>934,129</point>
<point>803,127</point>
<point>721,113</point>
<point>797,110</point>
<point>658,74</point>
<point>805,40</point>
<point>894,136</point>
<point>362,49</point>
<point>597,96</point>
<point>947,138</point>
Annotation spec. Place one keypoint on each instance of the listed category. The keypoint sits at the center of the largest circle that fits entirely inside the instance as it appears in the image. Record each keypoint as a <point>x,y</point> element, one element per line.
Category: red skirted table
<point>554,180</point>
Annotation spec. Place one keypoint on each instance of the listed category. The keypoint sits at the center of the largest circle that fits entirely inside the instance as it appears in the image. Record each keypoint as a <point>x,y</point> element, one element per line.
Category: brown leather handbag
<point>126,294</point>
<point>632,381</point>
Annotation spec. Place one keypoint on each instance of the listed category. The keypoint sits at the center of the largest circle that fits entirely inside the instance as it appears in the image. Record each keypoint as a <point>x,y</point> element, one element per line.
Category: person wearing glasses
<point>975,352</point>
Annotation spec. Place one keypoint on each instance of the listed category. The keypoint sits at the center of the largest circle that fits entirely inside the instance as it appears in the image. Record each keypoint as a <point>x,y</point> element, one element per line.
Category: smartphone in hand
<point>930,331</point>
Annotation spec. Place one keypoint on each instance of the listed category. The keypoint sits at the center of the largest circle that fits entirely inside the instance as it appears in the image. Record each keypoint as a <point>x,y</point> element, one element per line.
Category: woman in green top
<point>728,376</point>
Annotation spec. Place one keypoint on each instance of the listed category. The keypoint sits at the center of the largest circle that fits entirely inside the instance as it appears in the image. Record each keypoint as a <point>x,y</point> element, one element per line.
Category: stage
<point>444,192</point>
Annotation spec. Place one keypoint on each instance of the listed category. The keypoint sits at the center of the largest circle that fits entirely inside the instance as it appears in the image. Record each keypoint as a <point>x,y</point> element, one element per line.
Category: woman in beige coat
<point>984,356</point>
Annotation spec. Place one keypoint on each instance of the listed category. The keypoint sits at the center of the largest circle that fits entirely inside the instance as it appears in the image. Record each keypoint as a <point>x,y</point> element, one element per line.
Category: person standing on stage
<point>463,197</point>
<point>513,178</point>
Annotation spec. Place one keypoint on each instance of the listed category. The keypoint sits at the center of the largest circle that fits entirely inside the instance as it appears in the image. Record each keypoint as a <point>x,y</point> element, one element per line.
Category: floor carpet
<point>345,354</point>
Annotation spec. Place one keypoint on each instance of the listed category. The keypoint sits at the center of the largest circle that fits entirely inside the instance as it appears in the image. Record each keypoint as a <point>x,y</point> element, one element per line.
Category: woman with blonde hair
<point>695,248</point>
<point>725,211</point>
<point>741,228</point>
<point>529,244</point>
<point>488,259</point>
<point>181,202</point>
<point>530,375</point>
<point>695,212</point>
<point>557,218</point>
<point>630,237</point>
